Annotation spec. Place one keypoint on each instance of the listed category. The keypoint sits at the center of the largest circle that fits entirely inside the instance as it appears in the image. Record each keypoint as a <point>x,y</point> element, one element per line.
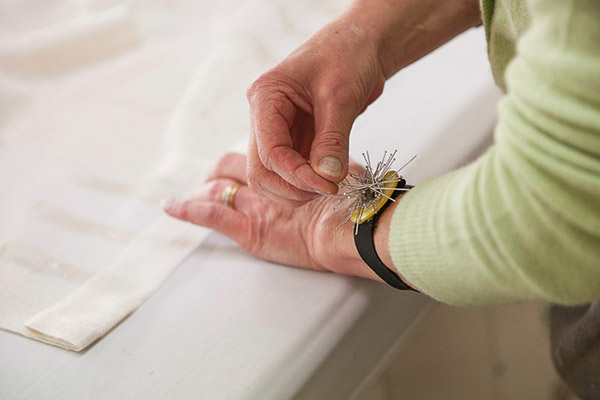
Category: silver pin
<point>367,188</point>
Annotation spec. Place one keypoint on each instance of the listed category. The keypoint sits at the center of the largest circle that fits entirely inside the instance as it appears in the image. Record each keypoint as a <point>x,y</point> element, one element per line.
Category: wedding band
<point>228,194</point>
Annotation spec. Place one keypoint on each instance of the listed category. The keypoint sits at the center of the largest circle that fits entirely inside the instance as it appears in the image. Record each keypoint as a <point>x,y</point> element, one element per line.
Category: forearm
<point>406,30</point>
<point>522,222</point>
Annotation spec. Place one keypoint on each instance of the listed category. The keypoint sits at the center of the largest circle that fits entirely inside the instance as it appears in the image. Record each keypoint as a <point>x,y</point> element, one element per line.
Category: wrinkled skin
<point>304,236</point>
<point>301,112</point>
<point>303,109</point>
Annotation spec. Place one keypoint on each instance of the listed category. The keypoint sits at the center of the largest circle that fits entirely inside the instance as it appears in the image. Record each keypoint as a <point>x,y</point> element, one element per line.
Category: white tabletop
<point>229,326</point>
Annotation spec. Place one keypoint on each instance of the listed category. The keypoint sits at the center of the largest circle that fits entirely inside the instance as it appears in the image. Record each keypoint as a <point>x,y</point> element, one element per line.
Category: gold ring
<point>228,194</point>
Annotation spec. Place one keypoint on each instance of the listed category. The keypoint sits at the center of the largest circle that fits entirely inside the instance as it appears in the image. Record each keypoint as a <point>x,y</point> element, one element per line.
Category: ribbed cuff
<point>414,240</point>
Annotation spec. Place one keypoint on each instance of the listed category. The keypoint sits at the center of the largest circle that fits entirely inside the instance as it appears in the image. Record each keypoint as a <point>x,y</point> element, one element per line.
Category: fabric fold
<point>109,110</point>
<point>93,309</point>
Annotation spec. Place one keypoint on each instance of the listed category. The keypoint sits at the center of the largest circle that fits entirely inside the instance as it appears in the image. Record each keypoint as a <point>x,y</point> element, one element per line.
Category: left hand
<point>303,237</point>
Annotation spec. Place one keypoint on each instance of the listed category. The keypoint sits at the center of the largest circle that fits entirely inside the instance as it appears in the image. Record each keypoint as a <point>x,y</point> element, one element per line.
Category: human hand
<point>302,111</point>
<point>304,237</point>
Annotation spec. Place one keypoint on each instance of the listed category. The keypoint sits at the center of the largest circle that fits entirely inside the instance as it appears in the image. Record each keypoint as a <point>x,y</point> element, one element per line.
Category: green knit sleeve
<point>523,221</point>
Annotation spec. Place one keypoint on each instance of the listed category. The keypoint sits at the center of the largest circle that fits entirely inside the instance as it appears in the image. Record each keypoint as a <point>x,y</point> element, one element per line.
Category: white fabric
<point>106,107</point>
<point>225,325</point>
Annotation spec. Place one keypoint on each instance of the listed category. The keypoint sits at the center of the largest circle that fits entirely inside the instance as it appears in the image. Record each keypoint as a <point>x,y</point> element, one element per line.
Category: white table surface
<point>229,326</point>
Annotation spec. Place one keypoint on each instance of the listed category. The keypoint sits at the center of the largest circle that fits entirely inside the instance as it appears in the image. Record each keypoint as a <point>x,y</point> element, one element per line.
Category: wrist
<point>336,251</point>
<point>339,253</point>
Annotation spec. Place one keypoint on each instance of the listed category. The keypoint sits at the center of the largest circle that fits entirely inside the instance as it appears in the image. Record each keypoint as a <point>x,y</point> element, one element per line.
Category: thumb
<point>329,150</point>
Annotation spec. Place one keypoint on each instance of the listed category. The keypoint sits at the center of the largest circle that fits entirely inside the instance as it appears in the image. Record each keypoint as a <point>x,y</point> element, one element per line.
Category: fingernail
<point>330,166</point>
<point>168,204</point>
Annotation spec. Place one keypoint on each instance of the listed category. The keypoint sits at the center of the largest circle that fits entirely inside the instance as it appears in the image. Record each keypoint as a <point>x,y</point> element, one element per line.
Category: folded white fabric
<point>107,108</point>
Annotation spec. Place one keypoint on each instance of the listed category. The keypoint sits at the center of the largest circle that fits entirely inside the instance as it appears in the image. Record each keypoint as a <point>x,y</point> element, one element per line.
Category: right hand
<point>302,111</point>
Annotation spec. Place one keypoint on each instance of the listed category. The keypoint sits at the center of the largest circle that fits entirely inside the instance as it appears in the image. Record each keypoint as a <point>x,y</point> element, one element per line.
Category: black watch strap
<point>366,247</point>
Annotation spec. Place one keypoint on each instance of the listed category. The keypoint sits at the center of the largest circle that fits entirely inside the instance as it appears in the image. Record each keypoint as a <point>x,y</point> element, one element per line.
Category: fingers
<point>230,166</point>
<point>210,214</point>
<point>243,199</point>
<point>272,116</point>
<point>268,184</point>
<point>334,116</point>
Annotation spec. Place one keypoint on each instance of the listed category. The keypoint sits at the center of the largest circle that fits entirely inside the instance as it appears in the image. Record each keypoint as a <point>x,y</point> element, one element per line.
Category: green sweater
<point>523,221</point>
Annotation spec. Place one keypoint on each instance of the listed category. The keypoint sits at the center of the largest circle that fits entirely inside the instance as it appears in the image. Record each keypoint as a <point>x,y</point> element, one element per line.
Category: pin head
<point>374,200</point>
<point>371,189</point>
